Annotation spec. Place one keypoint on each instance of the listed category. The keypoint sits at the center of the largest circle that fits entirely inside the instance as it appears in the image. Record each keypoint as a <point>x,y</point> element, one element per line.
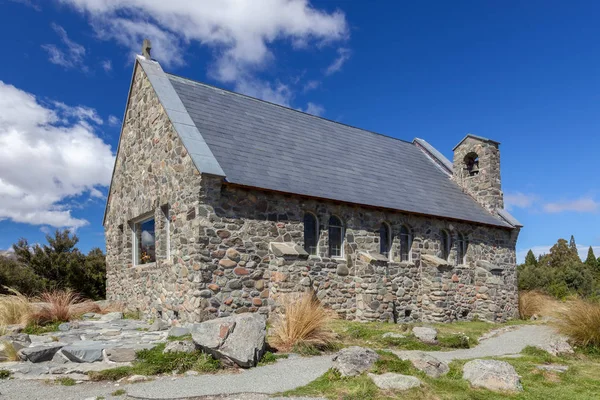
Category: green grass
<point>154,362</point>
<point>35,329</point>
<point>118,392</point>
<point>4,374</point>
<point>179,338</point>
<point>137,314</point>
<point>580,382</point>
<point>270,358</point>
<point>66,381</point>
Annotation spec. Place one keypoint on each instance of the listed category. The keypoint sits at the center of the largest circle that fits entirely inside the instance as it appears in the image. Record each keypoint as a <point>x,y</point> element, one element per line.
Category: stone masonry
<point>223,249</point>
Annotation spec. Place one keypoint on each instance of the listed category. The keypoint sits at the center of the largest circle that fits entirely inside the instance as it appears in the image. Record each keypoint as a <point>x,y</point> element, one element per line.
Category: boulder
<point>392,381</point>
<point>41,353</point>
<point>82,353</point>
<point>120,354</point>
<point>425,335</point>
<point>354,360</point>
<point>112,316</point>
<point>557,346</point>
<point>180,346</point>
<point>158,325</point>
<point>178,331</point>
<point>492,374</point>
<point>237,338</point>
<point>424,362</point>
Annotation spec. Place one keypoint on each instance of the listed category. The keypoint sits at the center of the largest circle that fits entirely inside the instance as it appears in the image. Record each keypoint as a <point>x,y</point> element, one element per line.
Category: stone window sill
<point>146,266</point>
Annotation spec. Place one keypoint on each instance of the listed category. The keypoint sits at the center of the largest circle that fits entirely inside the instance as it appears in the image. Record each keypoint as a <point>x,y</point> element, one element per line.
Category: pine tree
<point>530,258</point>
<point>573,247</point>
<point>591,258</point>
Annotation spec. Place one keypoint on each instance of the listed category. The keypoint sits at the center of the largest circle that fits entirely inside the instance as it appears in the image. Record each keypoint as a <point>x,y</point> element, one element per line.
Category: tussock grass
<point>303,324</point>
<point>580,321</point>
<point>10,352</point>
<point>15,309</point>
<point>534,302</point>
<point>62,305</point>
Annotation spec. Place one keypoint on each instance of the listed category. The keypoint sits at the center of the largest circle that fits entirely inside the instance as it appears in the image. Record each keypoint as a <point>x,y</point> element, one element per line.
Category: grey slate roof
<point>267,146</point>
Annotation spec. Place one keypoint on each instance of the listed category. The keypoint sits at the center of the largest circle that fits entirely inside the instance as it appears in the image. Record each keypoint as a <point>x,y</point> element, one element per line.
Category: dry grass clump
<point>14,309</point>
<point>580,321</point>
<point>61,305</point>
<point>10,352</point>
<point>537,303</point>
<point>303,323</point>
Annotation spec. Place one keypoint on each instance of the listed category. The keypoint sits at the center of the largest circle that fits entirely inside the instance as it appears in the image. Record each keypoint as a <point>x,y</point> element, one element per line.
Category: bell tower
<point>476,168</point>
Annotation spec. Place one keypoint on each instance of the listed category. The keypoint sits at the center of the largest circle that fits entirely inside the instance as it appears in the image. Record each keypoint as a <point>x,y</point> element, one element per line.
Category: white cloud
<point>539,250</point>
<point>113,121</point>
<point>518,200</point>
<point>147,238</point>
<point>48,154</point>
<point>311,85</point>
<point>343,56</point>
<point>314,109</point>
<point>583,204</point>
<point>28,3</point>
<point>106,65</point>
<point>239,32</point>
<point>71,56</point>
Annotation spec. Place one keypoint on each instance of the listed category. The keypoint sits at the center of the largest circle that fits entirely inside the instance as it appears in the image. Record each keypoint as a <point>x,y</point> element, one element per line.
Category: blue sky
<point>526,74</point>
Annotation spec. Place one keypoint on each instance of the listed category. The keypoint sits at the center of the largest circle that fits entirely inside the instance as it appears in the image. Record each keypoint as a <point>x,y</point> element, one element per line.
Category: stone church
<point>220,203</point>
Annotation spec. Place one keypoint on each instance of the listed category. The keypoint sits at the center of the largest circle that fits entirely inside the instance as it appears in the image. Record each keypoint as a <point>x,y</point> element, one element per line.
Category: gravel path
<point>284,375</point>
<point>507,343</point>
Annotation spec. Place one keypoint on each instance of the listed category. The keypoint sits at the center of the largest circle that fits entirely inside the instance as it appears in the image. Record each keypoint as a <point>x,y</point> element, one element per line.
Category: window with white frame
<point>144,241</point>
<point>336,237</point>
<point>405,243</point>
<point>445,244</point>
<point>461,249</point>
<point>385,239</point>
<point>311,233</point>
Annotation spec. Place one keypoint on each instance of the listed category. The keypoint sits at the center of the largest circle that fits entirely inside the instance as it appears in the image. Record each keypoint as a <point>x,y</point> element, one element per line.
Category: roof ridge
<point>287,108</point>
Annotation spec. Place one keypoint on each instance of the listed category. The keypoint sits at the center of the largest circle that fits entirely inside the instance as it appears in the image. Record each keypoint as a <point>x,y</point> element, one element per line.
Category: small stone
<point>342,270</point>
<point>492,374</point>
<point>223,234</point>
<point>120,354</point>
<point>137,378</point>
<point>64,327</point>
<point>257,302</point>
<point>158,325</point>
<point>180,346</point>
<point>424,362</point>
<point>553,368</point>
<point>354,360</point>
<point>240,271</point>
<point>425,335</point>
<point>392,381</point>
<point>214,287</point>
<point>233,254</point>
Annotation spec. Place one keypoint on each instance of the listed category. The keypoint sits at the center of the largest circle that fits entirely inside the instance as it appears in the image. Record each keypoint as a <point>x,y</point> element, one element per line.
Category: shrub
<point>112,374</point>
<point>456,341</point>
<point>10,352</point>
<point>14,309</point>
<point>580,321</point>
<point>4,374</point>
<point>66,381</point>
<point>303,324</point>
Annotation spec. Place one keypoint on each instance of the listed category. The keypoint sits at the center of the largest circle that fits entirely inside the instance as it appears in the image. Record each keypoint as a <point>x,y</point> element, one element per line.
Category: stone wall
<point>233,249</point>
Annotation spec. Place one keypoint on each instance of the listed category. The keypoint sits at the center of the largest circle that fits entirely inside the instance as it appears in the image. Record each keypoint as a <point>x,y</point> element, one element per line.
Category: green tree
<point>573,246</point>
<point>591,258</point>
<point>530,258</point>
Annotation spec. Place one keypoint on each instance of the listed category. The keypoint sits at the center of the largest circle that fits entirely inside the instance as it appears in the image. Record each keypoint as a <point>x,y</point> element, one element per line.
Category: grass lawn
<point>581,381</point>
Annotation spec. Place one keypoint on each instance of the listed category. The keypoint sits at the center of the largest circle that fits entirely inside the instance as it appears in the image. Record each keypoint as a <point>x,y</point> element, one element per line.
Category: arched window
<point>461,249</point>
<point>405,243</point>
<point>385,239</point>
<point>445,244</point>
<point>336,237</point>
<point>311,233</point>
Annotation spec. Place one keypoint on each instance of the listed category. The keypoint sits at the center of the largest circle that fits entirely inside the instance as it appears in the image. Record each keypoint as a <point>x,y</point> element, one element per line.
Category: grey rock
<point>119,354</point>
<point>137,378</point>
<point>557,346</point>
<point>178,331</point>
<point>354,360</point>
<point>60,358</point>
<point>492,374</point>
<point>84,352</point>
<point>64,327</point>
<point>158,325</point>
<point>424,362</point>
<point>21,338</point>
<point>41,353</point>
<point>180,346</point>
<point>112,316</point>
<point>238,338</point>
<point>425,335</point>
<point>392,381</point>
<point>553,368</point>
